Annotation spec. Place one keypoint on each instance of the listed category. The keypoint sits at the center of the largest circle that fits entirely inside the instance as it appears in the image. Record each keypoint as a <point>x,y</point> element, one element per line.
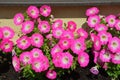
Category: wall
<point>75,13</point>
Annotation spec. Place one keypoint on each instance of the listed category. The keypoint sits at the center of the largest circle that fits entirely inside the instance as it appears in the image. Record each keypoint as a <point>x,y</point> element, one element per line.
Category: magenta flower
<point>16,63</point>
<point>23,42</point>
<point>68,34</point>
<point>111,20</point>
<point>97,43</point>
<point>55,50</point>
<point>72,26</point>
<point>6,45</point>
<point>104,37</point>
<point>101,27</point>
<point>57,32</point>
<point>96,56</point>
<point>33,12</point>
<point>83,59</point>
<point>64,43</point>
<point>92,11</point>
<point>49,36</point>
<point>116,58</point>
<point>93,21</point>
<point>27,27</point>
<point>93,36</point>
<point>78,45</point>
<point>57,24</point>
<point>45,10</point>
<point>114,44</point>
<point>26,58</point>
<point>66,60</point>
<point>44,26</point>
<point>18,19</point>
<point>37,65</point>
<point>105,55</point>
<point>117,25</point>
<point>105,66</point>
<point>40,64</point>
<point>36,53</point>
<point>56,59</point>
<point>82,33</point>
<point>51,74</point>
<point>7,32</point>
<point>94,70</point>
<point>37,40</point>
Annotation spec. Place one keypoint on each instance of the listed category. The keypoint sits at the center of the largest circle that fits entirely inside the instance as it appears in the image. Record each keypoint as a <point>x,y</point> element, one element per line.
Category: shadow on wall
<point>7,12</point>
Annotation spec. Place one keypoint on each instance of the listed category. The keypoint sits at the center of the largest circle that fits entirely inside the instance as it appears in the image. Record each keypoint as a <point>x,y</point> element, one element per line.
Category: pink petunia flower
<point>116,58</point>
<point>49,36</point>
<point>51,74</point>
<point>6,45</point>
<point>111,20</point>
<point>37,65</point>
<point>23,42</point>
<point>96,56</point>
<point>101,27</point>
<point>37,40</point>
<point>16,63</point>
<point>56,59</point>
<point>92,11</point>
<point>40,64</point>
<point>117,24</point>
<point>66,60</point>
<point>105,55</point>
<point>55,50</point>
<point>104,37</point>
<point>93,36</point>
<point>64,43</point>
<point>7,32</point>
<point>72,26</point>
<point>18,19</point>
<point>78,45</point>
<point>45,63</point>
<point>57,24</point>
<point>26,58</point>
<point>68,34</point>
<point>36,53</point>
<point>27,27</point>
<point>93,21</point>
<point>33,11</point>
<point>44,26</point>
<point>57,33</point>
<point>83,59</point>
<point>45,10</point>
<point>94,70</point>
<point>82,33</point>
<point>97,43</point>
<point>114,44</point>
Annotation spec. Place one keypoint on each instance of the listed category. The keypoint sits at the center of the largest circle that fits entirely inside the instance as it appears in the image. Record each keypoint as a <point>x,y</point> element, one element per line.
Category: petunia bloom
<point>18,19</point>
<point>83,59</point>
<point>44,26</point>
<point>51,74</point>
<point>45,10</point>
<point>27,27</point>
<point>33,12</point>
<point>37,40</point>
<point>16,63</point>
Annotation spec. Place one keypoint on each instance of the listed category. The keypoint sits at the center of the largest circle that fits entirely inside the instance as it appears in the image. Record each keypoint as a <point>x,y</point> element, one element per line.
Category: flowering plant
<point>6,44</point>
<point>47,46</point>
<point>105,36</point>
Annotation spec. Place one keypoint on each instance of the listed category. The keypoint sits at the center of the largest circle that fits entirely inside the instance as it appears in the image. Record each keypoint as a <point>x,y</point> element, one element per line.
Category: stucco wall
<point>75,13</point>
